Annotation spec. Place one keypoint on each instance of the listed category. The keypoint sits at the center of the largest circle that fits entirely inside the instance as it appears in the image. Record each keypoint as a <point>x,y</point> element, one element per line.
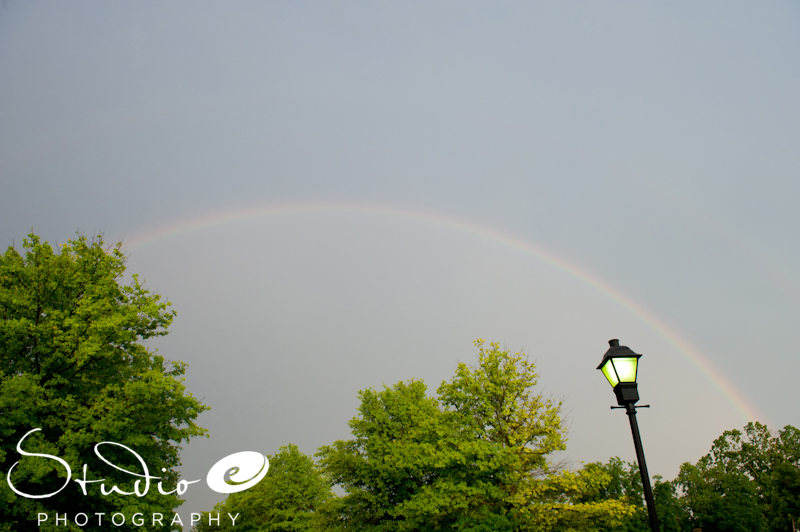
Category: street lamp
<point>620,366</point>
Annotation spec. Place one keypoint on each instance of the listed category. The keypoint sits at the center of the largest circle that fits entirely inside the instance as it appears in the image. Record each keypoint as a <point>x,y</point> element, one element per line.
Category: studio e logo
<point>221,479</point>
<point>233,473</point>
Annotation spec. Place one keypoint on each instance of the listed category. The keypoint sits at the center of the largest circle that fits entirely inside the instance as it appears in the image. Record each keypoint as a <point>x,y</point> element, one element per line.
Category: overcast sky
<point>366,187</point>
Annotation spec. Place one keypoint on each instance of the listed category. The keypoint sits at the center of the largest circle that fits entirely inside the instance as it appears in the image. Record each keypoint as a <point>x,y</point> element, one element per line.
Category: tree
<point>619,482</point>
<point>784,510</point>
<point>408,467</point>
<point>771,462</point>
<point>574,501</point>
<point>284,501</point>
<point>495,401</point>
<point>672,515</point>
<point>475,458</point>
<point>616,481</point>
<point>749,480</point>
<point>74,365</point>
<point>498,402</point>
<point>719,500</point>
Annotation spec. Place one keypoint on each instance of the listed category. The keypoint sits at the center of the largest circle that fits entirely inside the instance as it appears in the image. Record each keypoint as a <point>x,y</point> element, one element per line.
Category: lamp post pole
<point>630,409</point>
<point>620,366</point>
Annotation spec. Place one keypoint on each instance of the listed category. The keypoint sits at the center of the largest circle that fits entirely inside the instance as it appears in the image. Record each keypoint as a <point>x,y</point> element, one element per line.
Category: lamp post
<point>620,365</point>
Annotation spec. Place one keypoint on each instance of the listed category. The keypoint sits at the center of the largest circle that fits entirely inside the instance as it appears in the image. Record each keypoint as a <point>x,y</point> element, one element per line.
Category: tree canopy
<point>73,363</point>
<point>749,480</point>
<point>285,501</point>
<point>477,457</point>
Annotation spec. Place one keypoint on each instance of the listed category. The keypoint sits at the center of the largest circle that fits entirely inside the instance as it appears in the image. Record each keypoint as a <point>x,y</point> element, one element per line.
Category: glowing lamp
<point>620,365</point>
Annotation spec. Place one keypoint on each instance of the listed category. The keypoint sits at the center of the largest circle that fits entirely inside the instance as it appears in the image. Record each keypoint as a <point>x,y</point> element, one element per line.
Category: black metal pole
<point>630,409</point>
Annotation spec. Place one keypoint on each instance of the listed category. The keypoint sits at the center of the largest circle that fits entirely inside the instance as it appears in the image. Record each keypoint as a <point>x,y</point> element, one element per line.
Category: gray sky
<point>460,155</point>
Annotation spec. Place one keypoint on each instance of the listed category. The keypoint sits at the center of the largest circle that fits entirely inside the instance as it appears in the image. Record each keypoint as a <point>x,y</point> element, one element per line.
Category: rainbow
<point>695,357</point>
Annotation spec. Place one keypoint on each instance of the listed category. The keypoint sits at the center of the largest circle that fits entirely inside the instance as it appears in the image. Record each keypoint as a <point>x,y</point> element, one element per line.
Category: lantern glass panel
<point>626,368</point>
<point>608,371</point>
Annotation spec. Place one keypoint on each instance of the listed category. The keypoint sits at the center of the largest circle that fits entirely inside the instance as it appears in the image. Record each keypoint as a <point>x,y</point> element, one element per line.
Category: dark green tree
<point>719,500</point>
<point>73,363</point>
<point>784,507</point>
<point>672,515</point>
<point>750,480</point>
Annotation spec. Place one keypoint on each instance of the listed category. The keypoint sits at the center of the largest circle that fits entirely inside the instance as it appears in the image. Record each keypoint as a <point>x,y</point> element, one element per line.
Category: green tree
<point>784,507</point>
<point>672,515</point>
<point>73,364</point>
<point>571,501</point>
<point>475,458</point>
<point>284,501</point>
<point>615,481</point>
<point>719,500</point>
<point>752,472</point>
<point>497,401</point>
<point>623,484</point>
<point>409,467</point>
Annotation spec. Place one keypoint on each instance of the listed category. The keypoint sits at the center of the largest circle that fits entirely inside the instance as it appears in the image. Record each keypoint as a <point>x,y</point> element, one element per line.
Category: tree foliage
<point>497,402</point>
<point>284,501</point>
<point>749,480</point>
<point>477,457</point>
<point>616,482</point>
<point>73,363</point>
<point>409,467</point>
